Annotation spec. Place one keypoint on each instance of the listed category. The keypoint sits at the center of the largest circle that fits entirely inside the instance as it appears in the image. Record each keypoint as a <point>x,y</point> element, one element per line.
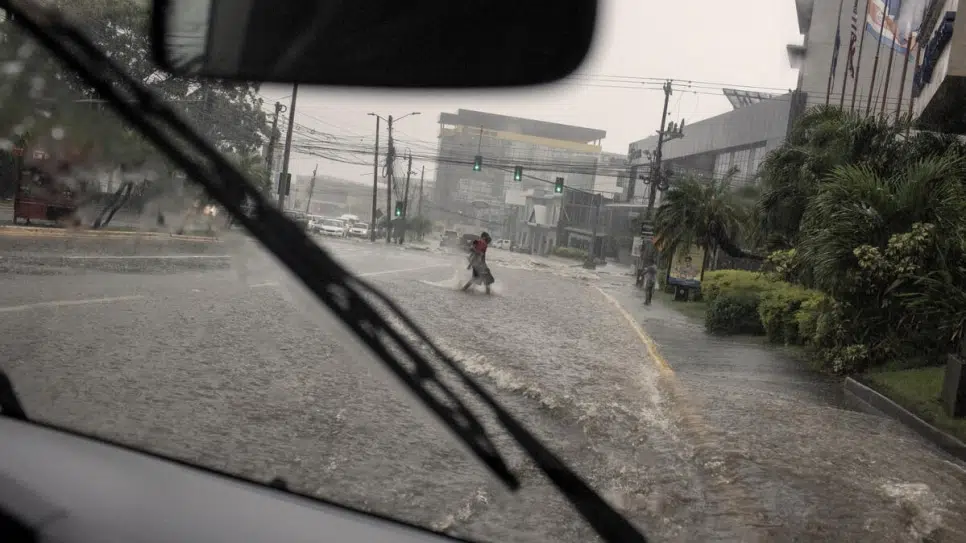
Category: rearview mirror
<point>376,43</point>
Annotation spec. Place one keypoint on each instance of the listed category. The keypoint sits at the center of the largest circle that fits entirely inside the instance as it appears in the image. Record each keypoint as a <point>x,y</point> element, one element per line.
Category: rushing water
<point>236,369</point>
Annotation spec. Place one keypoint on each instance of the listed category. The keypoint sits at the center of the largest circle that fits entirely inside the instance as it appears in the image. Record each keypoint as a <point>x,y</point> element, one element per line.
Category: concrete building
<point>737,139</point>
<point>892,86</point>
<point>544,150</point>
<point>333,196</point>
<point>613,171</point>
<point>940,81</point>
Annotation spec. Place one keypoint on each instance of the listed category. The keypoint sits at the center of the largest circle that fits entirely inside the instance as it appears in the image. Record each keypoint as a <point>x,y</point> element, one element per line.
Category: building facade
<point>544,150</point>
<point>737,140</point>
<point>940,81</point>
<point>877,77</point>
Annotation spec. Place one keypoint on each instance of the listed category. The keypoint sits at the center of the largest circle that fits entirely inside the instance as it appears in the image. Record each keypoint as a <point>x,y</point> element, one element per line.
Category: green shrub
<point>779,309</point>
<point>808,314</point>
<point>570,252</point>
<point>734,314</point>
<point>718,282</point>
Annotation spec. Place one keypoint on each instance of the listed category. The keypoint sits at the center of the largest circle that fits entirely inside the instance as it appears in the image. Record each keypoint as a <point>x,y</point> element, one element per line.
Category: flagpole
<point>888,77</point>
<point>850,65</point>
<point>875,63</point>
<point>835,54</point>
<point>905,72</point>
<point>912,90</point>
<point>858,64</point>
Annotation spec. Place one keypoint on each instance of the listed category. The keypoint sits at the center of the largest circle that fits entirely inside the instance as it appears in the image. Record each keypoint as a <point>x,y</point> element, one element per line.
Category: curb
<point>874,402</point>
<point>39,232</point>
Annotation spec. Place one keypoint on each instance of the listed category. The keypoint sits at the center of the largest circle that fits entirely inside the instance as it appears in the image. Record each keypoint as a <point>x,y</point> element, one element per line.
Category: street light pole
<point>375,183</point>
<point>390,159</point>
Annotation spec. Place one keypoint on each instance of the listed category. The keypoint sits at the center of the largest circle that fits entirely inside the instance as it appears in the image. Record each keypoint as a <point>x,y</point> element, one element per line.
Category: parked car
<point>359,230</point>
<point>332,227</point>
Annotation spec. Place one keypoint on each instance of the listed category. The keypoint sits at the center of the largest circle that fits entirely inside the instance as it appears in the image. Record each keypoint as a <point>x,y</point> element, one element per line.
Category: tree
<point>824,139</point>
<point>228,114</point>
<point>419,226</point>
<point>706,213</point>
<point>254,167</point>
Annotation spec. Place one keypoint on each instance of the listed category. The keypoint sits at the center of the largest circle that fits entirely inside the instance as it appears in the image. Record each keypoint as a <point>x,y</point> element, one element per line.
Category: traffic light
<point>477,163</point>
<point>518,173</point>
<point>558,185</point>
<point>399,209</point>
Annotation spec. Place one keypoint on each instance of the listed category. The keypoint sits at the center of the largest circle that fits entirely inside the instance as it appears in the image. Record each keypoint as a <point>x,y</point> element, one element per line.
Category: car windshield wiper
<point>331,283</point>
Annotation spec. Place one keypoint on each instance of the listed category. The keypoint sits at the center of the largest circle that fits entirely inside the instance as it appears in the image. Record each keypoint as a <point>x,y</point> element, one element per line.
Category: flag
<point>853,39</point>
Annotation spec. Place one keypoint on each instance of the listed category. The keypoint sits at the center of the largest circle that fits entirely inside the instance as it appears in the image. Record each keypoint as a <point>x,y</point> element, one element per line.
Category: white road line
<point>368,274</point>
<point>263,285</point>
<point>384,272</point>
<point>65,303</point>
<point>143,257</point>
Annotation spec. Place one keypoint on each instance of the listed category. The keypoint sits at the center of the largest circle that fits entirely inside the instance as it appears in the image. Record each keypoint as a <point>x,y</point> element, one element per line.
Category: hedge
<point>744,302</point>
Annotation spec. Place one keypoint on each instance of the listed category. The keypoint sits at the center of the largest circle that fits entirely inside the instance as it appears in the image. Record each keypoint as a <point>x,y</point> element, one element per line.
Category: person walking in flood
<point>477,263</point>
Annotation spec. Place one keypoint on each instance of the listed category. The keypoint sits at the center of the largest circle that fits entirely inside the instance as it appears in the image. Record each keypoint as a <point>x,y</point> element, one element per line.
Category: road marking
<point>263,285</point>
<point>66,303</point>
<point>368,274</point>
<point>403,270</point>
<point>142,257</point>
<point>645,339</point>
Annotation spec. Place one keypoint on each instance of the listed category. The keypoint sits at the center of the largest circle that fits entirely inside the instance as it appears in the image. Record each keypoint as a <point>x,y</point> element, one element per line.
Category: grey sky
<point>739,42</point>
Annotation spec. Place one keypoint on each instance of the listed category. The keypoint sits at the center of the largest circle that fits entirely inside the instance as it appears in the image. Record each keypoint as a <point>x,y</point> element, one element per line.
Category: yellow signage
<point>535,140</point>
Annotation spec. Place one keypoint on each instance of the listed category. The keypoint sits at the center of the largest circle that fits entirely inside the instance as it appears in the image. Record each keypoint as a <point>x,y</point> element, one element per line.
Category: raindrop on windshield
<point>57,133</point>
<point>12,67</point>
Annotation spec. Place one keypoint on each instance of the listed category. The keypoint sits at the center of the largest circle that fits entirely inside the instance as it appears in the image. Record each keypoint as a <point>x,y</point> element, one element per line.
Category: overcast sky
<point>738,43</point>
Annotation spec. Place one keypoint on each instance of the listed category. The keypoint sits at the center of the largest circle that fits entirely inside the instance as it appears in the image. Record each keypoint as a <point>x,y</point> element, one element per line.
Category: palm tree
<point>856,205</point>
<point>706,213</point>
<point>823,139</point>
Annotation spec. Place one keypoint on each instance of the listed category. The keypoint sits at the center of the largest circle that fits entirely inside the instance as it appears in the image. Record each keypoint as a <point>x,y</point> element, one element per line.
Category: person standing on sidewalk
<point>650,280</point>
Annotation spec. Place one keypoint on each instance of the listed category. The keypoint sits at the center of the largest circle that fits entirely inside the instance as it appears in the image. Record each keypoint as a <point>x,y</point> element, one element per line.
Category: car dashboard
<point>60,487</point>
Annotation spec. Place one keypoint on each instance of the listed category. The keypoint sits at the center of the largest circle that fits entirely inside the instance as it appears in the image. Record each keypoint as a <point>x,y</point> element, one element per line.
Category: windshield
<point>677,321</point>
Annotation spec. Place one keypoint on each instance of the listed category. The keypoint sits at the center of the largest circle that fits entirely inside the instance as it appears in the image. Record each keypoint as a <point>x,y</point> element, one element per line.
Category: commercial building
<point>738,139</point>
<point>940,81</point>
<point>884,30</point>
<point>332,196</point>
<point>544,150</point>
<point>613,171</point>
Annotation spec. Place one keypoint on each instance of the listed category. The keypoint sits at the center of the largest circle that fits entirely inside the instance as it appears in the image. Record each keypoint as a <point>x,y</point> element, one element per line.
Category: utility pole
<point>283,183</point>
<point>308,204</point>
<point>375,184</point>
<point>656,172</point>
<point>273,139</point>
<point>591,262</point>
<point>390,158</point>
<point>405,210</point>
<point>419,206</point>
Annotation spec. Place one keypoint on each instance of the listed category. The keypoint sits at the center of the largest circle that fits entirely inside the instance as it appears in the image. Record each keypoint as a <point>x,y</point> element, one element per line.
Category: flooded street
<point>222,360</point>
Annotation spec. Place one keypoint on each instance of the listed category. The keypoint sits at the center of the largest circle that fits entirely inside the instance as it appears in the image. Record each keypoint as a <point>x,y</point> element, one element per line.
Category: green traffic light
<point>518,173</point>
<point>477,163</point>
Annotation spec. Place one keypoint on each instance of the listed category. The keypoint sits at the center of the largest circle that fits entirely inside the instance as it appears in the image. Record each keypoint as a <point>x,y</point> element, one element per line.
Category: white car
<point>359,230</point>
<point>331,227</point>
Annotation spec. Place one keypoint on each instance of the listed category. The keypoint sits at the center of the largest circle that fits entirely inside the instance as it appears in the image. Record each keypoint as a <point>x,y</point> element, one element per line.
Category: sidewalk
<point>770,432</point>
